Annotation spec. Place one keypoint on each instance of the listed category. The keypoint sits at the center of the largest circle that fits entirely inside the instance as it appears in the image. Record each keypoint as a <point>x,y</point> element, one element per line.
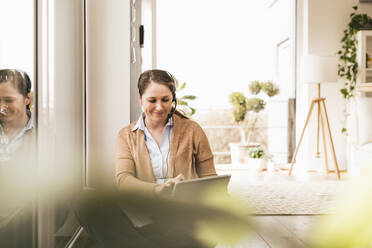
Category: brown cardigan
<point>190,154</point>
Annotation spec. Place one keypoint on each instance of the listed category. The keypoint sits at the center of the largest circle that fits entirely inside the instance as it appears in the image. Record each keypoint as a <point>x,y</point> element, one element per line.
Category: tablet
<point>194,189</point>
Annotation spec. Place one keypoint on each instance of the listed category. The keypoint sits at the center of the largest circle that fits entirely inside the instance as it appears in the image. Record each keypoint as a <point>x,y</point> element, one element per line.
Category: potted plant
<point>256,159</point>
<point>348,65</point>
<point>241,106</point>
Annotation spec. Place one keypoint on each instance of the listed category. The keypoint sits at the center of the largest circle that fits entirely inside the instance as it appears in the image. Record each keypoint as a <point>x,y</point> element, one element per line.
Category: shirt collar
<point>140,124</point>
<point>29,125</point>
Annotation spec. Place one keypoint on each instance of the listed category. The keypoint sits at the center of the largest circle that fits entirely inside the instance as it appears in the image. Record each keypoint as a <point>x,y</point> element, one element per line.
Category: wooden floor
<point>280,232</point>
<point>270,231</point>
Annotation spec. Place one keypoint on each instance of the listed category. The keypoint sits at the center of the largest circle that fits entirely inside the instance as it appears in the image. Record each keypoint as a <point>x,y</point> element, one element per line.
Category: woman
<point>17,159</point>
<point>153,153</point>
<point>15,114</point>
<point>163,146</point>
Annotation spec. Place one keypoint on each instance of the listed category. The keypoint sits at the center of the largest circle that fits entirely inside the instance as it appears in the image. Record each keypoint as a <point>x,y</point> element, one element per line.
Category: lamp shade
<point>319,69</point>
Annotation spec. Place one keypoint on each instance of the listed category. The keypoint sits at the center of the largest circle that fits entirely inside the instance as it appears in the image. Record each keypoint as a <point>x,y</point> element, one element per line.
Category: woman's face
<point>156,102</point>
<point>12,104</point>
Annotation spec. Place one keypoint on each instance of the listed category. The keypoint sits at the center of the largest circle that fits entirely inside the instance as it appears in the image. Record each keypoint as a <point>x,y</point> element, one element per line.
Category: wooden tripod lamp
<point>318,70</point>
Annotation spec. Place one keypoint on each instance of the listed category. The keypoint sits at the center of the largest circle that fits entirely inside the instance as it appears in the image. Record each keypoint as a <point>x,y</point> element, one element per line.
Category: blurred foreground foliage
<point>227,230</point>
<point>351,227</point>
<point>217,218</point>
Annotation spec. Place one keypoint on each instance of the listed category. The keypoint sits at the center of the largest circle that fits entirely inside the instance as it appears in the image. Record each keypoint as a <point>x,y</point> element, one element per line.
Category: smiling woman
<point>15,114</point>
<point>162,130</point>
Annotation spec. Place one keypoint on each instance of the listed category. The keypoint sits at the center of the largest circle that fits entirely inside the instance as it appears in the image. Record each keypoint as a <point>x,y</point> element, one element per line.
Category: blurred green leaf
<point>181,102</point>
<point>222,231</point>
<point>351,227</point>
<point>188,97</point>
<point>192,110</point>
<point>182,86</point>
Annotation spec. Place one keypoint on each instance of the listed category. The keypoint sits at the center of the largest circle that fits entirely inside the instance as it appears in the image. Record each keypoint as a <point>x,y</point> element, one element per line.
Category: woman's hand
<point>166,188</point>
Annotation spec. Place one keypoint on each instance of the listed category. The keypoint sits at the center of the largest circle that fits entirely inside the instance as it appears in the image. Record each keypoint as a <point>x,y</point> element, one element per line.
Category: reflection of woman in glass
<point>15,114</point>
<point>17,160</point>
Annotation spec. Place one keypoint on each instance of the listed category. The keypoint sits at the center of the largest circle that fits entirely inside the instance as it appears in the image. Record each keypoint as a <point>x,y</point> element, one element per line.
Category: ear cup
<point>174,100</point>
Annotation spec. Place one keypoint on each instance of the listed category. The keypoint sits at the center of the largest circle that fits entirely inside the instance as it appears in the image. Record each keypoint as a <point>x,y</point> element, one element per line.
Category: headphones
<point>172,111</point>
<point>174,99</point>
<point>174,102</point>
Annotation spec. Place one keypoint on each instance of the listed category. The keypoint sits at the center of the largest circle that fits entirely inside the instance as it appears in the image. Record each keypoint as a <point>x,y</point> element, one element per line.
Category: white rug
<point>288,197</point>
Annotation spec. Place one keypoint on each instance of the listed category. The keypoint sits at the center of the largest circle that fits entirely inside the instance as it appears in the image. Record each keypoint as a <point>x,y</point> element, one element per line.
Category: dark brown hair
<point>157,76</point>
<point>160,77</point>
<point>19,79</point>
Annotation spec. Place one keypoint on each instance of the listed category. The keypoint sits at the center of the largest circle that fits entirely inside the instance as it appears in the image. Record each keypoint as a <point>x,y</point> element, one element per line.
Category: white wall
<point>322,25</point>
<point>277,108</point>
<point>17,42</point>
<point>108,84</point>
